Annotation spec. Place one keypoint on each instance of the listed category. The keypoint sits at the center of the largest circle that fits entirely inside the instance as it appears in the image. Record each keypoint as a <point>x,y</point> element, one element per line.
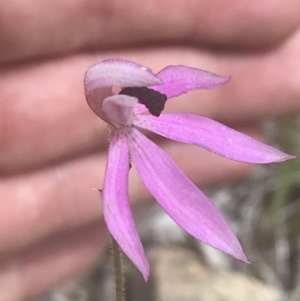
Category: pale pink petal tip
<point>120,73</point>
<point>181,79</point>
<point>245,259</point>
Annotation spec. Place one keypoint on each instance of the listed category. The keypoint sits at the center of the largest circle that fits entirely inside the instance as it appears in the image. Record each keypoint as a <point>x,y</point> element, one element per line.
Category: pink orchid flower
<point>178,196</point>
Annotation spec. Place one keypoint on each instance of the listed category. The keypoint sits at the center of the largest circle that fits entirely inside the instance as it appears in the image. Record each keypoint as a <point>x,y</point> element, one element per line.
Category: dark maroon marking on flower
<point>153,100</point>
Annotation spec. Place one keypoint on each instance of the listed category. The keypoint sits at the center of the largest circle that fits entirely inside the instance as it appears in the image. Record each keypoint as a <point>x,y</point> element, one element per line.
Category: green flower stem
<point>118,267</point>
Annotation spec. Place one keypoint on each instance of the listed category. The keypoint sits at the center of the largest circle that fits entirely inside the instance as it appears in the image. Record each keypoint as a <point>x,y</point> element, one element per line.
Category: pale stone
<point>178,275</point>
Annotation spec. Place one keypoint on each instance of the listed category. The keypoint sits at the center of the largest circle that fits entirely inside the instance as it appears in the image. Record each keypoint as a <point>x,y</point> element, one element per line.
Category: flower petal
<point>119,109</point>
<point>139,108</point>
<point>100,78</point>
<point>182,79</point>
<point>116,208</point>
<point>180,198</point>
<point>213,136</point>
<point>121,73</point>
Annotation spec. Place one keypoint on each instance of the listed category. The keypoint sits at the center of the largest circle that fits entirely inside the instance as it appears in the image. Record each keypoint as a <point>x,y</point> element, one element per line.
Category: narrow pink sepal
<point>116,207</point>
<point>213,136</point>
<point>180,198</point>
<point>182,79</point>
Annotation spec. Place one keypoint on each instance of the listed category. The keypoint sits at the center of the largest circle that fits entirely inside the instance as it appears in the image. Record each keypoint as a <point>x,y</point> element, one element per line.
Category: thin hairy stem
<point>118,267</point>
